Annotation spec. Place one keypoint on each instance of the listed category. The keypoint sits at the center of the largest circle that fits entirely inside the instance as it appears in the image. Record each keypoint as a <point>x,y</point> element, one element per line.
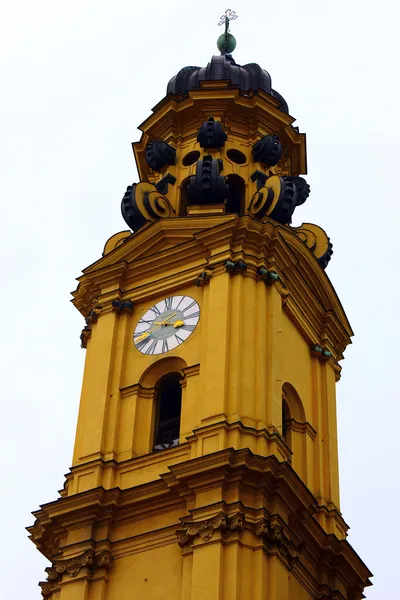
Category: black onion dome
<point>246,77</point>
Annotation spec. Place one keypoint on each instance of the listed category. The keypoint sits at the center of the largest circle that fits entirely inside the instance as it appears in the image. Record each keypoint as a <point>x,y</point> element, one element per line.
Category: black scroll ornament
<point>278,198</point>
<point>141,203</point>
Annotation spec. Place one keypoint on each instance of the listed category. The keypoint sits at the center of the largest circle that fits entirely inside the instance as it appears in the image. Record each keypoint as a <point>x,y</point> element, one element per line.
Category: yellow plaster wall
<point>232,368</point>
<point>253,343</point>
<point>153,574</point>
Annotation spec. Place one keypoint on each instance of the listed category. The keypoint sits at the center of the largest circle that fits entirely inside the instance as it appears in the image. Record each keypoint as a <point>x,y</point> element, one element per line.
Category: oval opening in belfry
<point>236,156</point>
<point>191,158</point>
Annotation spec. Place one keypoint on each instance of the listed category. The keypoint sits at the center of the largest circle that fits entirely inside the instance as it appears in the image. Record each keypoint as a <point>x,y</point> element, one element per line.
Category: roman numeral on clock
<point>152,347</point>
<point>180,302</point>
<point>156,310</point>
<point>144,322</point>
<point>192,316</point>
<point>141,344</point>
<point>168,303</point>
<point>191,305</point>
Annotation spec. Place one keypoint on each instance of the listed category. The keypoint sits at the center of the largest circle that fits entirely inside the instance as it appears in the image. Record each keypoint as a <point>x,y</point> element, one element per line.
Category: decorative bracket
<point>275,538</point>
<point>122,306</point>
<point>72,566</point>
<point>278,197</point>
<point>85,335</point>
<point>206,529</point>
<point>162,185</point>
<point>87,331</point>
<point>267,276</point>
<point>322,353</point>
<point>268,150</point>
<point>159,154</point>
<point>143,202</point>
<point>211,134</point>
<point>316,239</point>
<point>203,278</point>
<point>92,316</point>
<point>259,177</point>
<point>234,267</point>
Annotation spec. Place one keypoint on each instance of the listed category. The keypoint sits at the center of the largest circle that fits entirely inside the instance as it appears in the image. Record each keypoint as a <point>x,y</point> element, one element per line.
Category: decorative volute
<point>222,145</point>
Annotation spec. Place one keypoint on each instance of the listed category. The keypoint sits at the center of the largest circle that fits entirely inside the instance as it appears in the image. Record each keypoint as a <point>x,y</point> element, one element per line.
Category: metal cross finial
<point>229,15</point>
<point>226,42</point>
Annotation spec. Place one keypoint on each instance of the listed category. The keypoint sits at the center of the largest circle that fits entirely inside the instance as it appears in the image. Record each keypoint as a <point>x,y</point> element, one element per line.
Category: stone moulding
<point>307,294</point>
<point>275,539</point>
<point>322,561</point>
<point>73,566</point>
<point>206,529</point>
<point>272,534</point>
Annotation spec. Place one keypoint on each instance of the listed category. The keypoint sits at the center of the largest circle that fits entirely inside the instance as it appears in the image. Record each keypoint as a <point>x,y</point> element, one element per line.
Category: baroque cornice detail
<point>73,566</point>
<point>279,489</point>
<point>89,560</point>
<point>272,534</point>
<point>205,529</point>
<point>138,270</point>
<point>276,540</point>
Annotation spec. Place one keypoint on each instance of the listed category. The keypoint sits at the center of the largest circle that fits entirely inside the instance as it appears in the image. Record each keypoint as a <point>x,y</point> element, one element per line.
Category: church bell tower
<point>205,464</point>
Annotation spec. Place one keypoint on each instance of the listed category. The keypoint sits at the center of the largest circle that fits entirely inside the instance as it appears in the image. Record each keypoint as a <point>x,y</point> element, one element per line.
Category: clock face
<point>166,325</point>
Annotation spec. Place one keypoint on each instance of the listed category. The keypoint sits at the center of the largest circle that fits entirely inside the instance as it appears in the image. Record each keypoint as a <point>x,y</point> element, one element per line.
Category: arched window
<point>293,413</point>
<point>235,200</point>
<point>168,414</point>
<point>293,403</point>
<point>286,418</point>
<point>184,197</point>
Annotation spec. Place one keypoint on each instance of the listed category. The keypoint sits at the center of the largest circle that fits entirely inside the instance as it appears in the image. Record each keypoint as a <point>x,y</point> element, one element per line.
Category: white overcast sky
<point>77,78</point>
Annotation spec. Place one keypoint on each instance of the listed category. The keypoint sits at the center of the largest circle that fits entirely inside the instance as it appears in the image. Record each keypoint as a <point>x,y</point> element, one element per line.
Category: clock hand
<point>178,323</point>
<point>168,318</point>
<point>165,321</point>
<point>147,333</point>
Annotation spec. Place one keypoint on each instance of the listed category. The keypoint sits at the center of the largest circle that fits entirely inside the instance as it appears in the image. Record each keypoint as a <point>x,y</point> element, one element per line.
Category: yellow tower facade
<point>205,463</point>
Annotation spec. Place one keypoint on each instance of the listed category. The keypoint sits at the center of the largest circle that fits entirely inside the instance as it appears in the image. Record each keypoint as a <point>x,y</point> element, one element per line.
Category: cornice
<point>146,265</point>
<point>302,428</point>
<point>270,435</point>
<point>85,564</point>
<point>177,117</point>
<point>289,529</point>
<point>191,370</point>
<point>271,532</point>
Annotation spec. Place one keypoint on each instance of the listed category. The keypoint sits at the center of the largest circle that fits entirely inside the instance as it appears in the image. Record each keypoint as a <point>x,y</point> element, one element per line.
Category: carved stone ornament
<point>120,306</point>
<point>73,566</point>
<point>302,187</point>
<point>159,154</point>
<point>208,186</point>
<point>275,538</point>
<point>323,354</point>
<point>278,198</point>
<point>211,134</point>
<point>268,150</point>
<point>203,278</point>
<point>206,529</point>
<point>92,316</point>
<point>46,588</point>
<point>143,202</point>
<point>70,566</point>
<point>316,239</point>
<point>85,335</point>
<point>235,267</point>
